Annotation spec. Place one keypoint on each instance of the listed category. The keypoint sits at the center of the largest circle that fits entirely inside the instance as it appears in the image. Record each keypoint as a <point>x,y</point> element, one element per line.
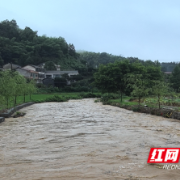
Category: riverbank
<point>51,97</point>
<point>152,108</point>
<point>9,112</point>
<point>164,112</point>
<point>39,98</point>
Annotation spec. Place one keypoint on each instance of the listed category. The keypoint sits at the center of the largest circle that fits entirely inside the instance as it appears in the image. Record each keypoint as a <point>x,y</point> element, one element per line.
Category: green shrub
<point>73,97</point>
<point>56,98</point>
<point>136,109</point>
<point>105,98</point>
<point>97,100</point>
<point>18,113</point>
<point>90,95</point>
<point>106,102</point>
<point>82,94</point>
<point>108,96</point>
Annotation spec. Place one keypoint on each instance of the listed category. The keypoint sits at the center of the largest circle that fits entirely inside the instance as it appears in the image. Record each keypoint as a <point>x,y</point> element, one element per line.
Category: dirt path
<point>81,139</point>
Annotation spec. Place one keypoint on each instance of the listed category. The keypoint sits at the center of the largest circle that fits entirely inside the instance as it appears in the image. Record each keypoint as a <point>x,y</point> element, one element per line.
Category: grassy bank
<point>170,107</point>
<point>52,97</point>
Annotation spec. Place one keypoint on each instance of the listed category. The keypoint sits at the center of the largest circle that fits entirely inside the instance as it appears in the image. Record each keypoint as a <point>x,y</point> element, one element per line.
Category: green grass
<point>125,101</point>
<point>149,101</point>
<point>43,97</point>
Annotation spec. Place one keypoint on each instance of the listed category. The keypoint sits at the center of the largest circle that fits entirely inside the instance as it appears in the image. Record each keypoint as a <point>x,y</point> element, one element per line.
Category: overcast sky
<point>147,29</point>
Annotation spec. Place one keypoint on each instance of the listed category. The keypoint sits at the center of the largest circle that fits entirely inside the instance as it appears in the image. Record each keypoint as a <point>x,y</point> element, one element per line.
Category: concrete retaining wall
<point>2,119</point>
<point>12,110</point>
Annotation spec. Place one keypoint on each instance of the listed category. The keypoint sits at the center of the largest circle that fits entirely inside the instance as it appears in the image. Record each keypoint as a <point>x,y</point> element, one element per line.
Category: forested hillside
<point>169,66</point>
<point>24,46</point>
<point>93,60</point>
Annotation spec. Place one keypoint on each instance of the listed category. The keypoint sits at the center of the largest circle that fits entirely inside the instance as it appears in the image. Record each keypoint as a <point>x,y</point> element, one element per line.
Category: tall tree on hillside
<point>27,34</point>
<point>104,58</point>
<point>71,50</point>
<point>9,29</point>
<point>49,65</point>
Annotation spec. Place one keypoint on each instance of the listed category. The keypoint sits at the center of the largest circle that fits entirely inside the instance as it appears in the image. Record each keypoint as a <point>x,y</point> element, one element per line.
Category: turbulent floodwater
<point>81,139</point>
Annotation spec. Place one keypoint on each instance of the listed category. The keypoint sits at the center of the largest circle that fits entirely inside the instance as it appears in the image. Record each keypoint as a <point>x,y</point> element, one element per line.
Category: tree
<point>31,88</point>
<point>27,34</point>
<point>7,85</point>
<point>49,65</point>
<point>71,50</point>
<point>18,87</point>
<point>112,77</point>
<point>175,79</point>
<point>25,89</point>
<point>103,81</point>
<point>9,29</point>
<point>2,102</point>
<point>139,86</point>
<point>159,89</point>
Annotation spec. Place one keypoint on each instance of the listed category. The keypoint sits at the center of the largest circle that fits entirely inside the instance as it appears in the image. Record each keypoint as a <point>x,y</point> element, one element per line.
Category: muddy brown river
<point>81,139</point>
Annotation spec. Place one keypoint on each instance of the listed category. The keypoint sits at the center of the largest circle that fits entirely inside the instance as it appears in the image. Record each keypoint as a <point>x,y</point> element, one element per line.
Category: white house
<point>38,73</point>
<point>29,74</point>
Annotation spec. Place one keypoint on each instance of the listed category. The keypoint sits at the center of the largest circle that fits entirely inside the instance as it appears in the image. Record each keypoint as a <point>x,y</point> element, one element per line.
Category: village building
<point>29,74</point>
<point>55,74</point>
<point>39,73</point>
<point>11,66</point>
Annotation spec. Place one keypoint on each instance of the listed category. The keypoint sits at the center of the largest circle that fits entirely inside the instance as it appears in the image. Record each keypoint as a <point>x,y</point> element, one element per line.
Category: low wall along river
<point>81,139</point>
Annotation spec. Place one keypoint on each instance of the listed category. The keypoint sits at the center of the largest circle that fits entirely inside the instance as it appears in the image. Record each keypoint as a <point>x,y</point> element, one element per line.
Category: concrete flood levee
<point>12,110</point>
<point>81,139</point>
